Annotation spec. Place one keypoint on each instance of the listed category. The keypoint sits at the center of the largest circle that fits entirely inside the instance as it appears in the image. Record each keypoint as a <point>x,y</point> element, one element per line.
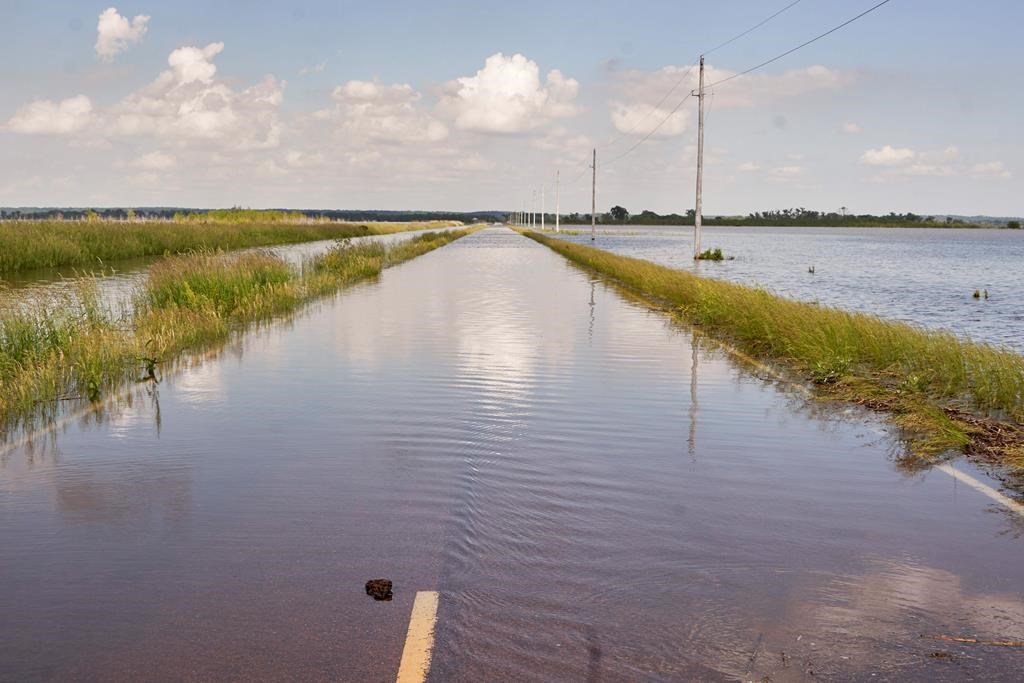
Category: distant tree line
<point>618,215</point>
<point>238,214</point>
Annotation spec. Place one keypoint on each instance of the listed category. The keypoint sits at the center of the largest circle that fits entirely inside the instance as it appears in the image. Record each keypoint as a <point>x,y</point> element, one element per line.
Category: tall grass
<point>52,244</point>
<point>854,355</point>
<point>78,350</point>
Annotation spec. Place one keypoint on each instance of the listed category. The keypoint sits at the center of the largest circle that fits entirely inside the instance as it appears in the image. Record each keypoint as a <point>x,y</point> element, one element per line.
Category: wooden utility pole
<point>558,198</point>
<point>593,200</point>
<point>543,223</point>
<point>697,215</point>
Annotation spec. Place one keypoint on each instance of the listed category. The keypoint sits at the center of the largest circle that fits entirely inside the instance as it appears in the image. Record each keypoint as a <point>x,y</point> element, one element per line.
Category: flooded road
<point>596,495</point>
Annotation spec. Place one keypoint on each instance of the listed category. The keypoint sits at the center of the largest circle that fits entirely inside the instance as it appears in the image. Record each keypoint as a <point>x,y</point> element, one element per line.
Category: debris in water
<point>978,641</point>
<point>379,589</point>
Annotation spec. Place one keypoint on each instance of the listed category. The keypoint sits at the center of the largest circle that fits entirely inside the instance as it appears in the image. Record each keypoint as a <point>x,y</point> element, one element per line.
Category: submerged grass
<point>77,350</point>
<point>936,383</point>
<point>53,244</point>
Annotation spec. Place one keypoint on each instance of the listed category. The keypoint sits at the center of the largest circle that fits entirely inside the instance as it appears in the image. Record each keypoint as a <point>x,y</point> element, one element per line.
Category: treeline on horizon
<point>238,214</point>
<point>618,215</point>
<point>784,217</point>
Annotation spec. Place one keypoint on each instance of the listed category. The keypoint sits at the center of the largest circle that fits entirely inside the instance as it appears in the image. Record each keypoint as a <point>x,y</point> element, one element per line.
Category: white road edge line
<point>1003,500</point>
<point>980,486</point>
<point>419,641</point>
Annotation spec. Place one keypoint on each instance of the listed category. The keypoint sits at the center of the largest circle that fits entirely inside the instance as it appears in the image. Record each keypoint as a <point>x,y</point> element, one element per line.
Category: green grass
<point>924,376</point>
<point>711,255</point>
<point>53,244</point>
<point>75,349</point>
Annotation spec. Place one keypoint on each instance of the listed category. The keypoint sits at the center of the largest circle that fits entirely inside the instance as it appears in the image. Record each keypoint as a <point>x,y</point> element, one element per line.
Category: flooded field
<point>925,276</point>
<point>596,494</point>
<point>119,280</point>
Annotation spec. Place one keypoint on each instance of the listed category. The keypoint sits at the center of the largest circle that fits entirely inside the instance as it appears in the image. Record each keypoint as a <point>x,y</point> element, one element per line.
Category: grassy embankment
<point>190,301</point>
<point>946,392</point>
<point>54,244</point>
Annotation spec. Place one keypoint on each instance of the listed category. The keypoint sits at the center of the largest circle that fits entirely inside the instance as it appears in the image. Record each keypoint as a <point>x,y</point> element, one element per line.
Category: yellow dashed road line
<point>419,641</point>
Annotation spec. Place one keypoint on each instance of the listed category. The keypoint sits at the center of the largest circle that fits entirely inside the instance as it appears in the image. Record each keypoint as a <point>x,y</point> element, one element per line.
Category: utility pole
<point>543,210</point>
<point>697,215</point>
<point>593,200</point>
<point>558,198</point>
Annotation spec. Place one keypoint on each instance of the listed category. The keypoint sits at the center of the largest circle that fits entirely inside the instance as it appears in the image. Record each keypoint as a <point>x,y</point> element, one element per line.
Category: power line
<point>650,133</point>
<point>800,46</point>
<point>751,29</point>
<point>654,108</point>
<point>692,66</point>
<point>680,82</point>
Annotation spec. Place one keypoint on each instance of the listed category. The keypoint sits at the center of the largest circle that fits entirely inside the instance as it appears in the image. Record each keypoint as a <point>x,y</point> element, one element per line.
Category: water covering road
<point>596,495</point>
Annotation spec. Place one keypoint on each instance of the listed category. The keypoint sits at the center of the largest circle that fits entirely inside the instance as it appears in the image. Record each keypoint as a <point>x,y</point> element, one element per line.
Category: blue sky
<point>447,105</point>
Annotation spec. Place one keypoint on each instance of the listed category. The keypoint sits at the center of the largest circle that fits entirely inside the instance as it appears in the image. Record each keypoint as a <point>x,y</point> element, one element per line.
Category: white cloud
<point>934,170</point>
<point>368,110</point>
<point>115,33</point>
<point>313,69</point>
<point>991,169</point>
<point>850,128</point>
<point>506,96</point>
<point>154,161</point>
<point>645,119</point>
<point>748,167</point>
<point>188,104</point>
<point>787,171</point>
<point>48,117</point>
<point>190,64</point>
<point>639,97</point>
<point>888,156</point>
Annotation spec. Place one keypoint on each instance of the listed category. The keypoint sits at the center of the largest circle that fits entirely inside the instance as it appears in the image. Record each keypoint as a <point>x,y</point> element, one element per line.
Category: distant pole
<point>697,215</point>
<point>558,198</point>
<point>543,210</point>
<point>533,212</point>
<point>593,200</point>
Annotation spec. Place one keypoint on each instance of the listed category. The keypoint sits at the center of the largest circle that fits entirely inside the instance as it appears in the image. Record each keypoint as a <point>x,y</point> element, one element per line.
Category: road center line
<point>419,641</point>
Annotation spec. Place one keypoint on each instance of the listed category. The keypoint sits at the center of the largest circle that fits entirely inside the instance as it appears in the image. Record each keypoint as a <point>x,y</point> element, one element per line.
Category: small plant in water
<point>711,255</point>
<point>985,293</point>
<point>830,370</point>
<point>977,294</point>
<point>811,270</point>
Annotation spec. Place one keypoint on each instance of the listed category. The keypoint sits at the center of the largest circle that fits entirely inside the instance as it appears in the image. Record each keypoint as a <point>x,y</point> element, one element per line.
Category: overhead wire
<point>800,46</point>
<point>751,29</point>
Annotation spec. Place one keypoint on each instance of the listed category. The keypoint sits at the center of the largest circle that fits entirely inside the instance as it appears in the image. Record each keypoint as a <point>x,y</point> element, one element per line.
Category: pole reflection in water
<point>692,440</point>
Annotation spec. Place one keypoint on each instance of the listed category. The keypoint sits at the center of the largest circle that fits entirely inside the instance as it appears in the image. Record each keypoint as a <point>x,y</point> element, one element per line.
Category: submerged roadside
<point>84,352</point>
<point>53,244</point>
<point>946,393</point>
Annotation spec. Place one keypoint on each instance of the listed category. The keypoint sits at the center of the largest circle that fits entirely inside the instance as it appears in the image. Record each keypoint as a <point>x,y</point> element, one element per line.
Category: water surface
<point>595,494</point>
<point>925,276</point>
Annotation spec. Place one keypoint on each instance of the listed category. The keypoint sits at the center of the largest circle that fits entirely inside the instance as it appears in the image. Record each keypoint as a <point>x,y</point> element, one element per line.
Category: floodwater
<point>596,495</point>
<point>925,276</point>
<point>119,280</point>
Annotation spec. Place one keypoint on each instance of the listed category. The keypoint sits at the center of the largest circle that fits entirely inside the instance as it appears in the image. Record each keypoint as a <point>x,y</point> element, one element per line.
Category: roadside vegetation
<point>91,243</point>
<point>947,392</point>
<point>78,350</point>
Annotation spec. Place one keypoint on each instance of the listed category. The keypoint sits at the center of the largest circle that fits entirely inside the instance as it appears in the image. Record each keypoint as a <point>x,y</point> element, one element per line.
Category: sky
<point>471,106</point>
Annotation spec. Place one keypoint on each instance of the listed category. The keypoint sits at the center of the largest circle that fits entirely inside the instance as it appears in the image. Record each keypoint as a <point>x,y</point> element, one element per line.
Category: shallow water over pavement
<point>595,497</point>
